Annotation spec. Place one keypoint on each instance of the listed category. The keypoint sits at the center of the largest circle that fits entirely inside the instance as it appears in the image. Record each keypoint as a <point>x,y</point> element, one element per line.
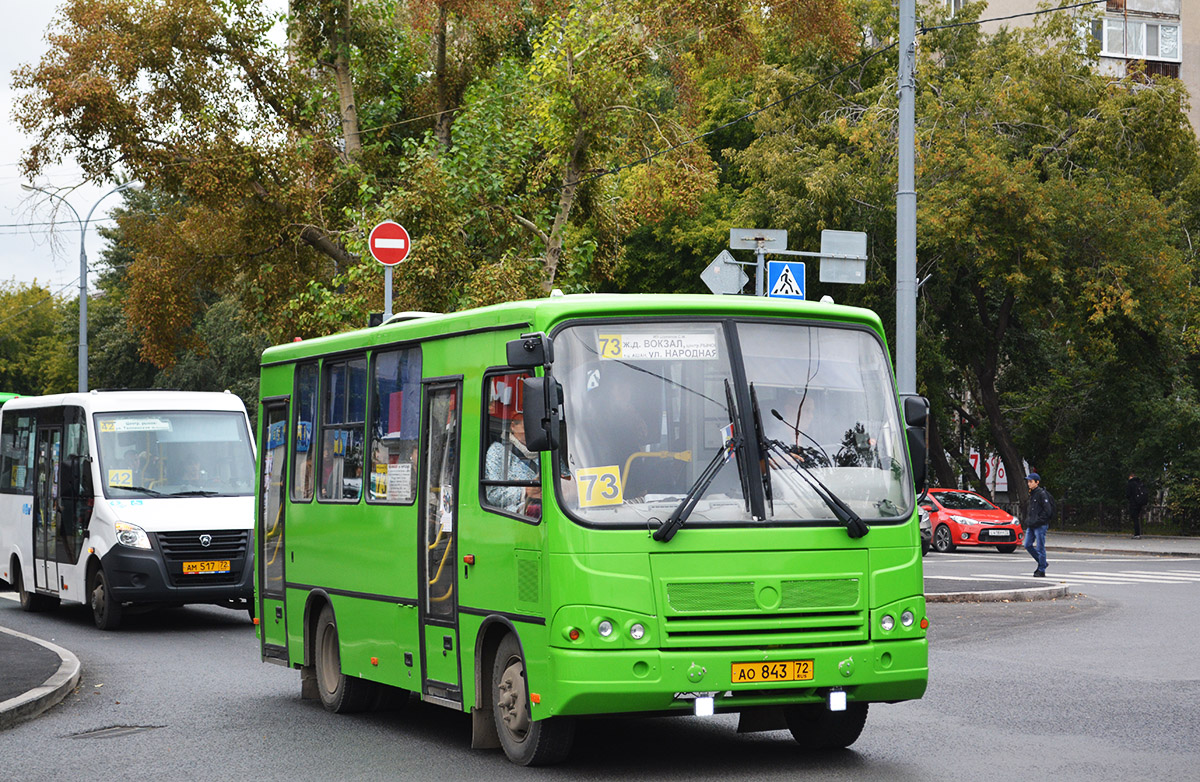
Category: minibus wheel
<point>815,727</point>
<point>340,694</point>
<point>525,742</point>
<point>106,611</point>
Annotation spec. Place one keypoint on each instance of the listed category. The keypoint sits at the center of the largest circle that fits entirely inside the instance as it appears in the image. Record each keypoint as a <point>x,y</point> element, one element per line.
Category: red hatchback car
<point>964,518</point>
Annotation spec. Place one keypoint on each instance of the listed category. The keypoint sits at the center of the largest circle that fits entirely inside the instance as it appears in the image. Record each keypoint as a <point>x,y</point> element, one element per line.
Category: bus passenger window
<point>395,426</point>
<point>344,414</point>
<point>305,405</point>
<point>511,473</point>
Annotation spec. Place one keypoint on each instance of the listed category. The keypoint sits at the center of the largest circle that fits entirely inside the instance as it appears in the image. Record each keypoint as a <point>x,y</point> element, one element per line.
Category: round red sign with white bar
<point>389,243</point>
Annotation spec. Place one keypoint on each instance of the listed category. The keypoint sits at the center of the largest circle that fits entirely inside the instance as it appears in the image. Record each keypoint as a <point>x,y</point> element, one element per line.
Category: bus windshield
<point>174,454</point>
<point>648,406</point>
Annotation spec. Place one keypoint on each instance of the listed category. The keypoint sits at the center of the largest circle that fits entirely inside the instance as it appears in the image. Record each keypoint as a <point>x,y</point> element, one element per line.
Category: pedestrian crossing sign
<point>785,279</point>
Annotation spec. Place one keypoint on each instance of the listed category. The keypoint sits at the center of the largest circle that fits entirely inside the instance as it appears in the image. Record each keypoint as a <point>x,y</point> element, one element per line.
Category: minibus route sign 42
<point>588,505</point>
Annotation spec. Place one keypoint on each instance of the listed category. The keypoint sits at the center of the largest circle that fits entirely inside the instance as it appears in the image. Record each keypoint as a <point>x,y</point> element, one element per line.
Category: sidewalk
<point>939,591</point>
<point>36,674</point>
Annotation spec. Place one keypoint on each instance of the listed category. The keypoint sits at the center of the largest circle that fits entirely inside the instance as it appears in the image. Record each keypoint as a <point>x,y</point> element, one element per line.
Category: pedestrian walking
<point>1037,520</point>
<point>1135,495</point>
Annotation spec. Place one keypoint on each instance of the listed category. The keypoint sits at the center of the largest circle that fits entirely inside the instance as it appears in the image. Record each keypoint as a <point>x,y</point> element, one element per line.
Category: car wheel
<point>943,541</point>
<point>340,694</point>
<point>1006,549</point>
<point>816,728</point>
<point>106,610</point>
<point>526,742</point>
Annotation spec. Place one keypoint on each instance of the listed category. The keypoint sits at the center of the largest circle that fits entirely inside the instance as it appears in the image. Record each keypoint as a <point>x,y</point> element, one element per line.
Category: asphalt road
<point>1100,686</point>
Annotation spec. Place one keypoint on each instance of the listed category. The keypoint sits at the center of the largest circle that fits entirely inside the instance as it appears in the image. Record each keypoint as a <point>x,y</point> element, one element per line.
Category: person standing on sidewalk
<point>1037,521</point>
<point>1135,495</point>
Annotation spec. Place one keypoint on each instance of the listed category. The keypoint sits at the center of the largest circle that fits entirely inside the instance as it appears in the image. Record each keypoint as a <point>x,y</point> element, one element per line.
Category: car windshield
<point>963,500</point>
<point>648,406</point>
<point>182,454</point>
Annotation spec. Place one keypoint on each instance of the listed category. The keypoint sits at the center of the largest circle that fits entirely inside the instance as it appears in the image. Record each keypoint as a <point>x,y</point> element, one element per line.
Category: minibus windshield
<point>174,454</point>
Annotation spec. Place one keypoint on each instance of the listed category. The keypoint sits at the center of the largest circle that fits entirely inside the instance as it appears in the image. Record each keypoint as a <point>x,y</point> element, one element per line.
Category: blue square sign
<point>785,279</point>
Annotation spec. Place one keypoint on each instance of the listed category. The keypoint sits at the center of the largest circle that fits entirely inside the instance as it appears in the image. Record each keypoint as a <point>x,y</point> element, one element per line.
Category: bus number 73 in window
<point>599,486</point>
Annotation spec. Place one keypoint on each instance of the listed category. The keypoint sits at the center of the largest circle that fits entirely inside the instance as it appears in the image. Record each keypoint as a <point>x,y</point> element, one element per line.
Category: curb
<point>1122,551</point>
<point>50,693</point>
<point>1048,592</point>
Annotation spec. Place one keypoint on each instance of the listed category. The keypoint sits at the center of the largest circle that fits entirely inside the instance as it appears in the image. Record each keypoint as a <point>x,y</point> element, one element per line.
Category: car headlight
<point>964,520</point>
<point>130,535</point>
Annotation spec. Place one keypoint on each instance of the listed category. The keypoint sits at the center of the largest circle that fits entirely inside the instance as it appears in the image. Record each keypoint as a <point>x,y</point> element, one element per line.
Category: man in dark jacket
<point>1037,521</point>
<point>1135,495</point>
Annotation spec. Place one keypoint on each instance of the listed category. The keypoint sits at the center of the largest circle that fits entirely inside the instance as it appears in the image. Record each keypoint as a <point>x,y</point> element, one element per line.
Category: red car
<point>964,518</point>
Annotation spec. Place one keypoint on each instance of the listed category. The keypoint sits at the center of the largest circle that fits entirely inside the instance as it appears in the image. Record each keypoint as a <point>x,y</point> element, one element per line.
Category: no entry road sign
<point>389,243</point>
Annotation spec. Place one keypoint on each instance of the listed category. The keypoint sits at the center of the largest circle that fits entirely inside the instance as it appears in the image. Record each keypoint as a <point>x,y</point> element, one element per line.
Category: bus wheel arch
<point>526,742</point>
<point>339,692</point>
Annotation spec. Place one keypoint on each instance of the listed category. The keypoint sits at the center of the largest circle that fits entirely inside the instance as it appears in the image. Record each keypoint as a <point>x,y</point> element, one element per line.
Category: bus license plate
<point>216,566</point>
<point>786,671</point>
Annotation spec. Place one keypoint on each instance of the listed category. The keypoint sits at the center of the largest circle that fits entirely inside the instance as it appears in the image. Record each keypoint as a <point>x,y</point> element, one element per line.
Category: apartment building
<point>1129,31</point>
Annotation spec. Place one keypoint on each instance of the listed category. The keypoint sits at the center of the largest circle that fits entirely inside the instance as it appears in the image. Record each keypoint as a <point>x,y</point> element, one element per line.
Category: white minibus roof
<point>117,401</point>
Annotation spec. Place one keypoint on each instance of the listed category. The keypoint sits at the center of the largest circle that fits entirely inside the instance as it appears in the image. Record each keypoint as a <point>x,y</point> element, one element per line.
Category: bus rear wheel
<point>340,694</point>
<point>106,610</point>
<point>816,728</point>
<point>526,742</point>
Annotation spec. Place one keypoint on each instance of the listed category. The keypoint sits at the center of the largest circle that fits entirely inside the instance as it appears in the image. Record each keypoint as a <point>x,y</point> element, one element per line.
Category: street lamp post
<point>83,270</point>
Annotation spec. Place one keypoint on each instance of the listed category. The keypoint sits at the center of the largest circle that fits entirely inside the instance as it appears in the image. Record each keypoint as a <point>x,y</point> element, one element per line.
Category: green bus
<point>596,504</point>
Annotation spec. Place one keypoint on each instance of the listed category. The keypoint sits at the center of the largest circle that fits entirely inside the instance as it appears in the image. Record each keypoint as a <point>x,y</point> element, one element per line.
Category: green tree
<point>31,341</point>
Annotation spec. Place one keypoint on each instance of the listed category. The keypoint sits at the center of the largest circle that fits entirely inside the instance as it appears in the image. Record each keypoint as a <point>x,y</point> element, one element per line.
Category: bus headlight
<point>887,623</point>
<point>130,535</point>
<point>907,618</point>
<point>605,628</point>
<point>637,632</point>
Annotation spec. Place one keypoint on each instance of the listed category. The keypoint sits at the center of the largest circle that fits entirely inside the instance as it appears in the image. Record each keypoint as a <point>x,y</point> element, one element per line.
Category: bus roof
<point>117,401</point>
<point>544,314</point>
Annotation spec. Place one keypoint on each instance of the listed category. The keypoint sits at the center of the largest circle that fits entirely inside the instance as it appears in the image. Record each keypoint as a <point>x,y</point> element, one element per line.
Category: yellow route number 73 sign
<point>599,486</point>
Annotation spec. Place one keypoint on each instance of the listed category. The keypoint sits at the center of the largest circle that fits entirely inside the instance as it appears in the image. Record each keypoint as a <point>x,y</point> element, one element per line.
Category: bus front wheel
<point>340,694</point>
<point>814,727</point>
<point>106,610</point>
<point>526,742</point>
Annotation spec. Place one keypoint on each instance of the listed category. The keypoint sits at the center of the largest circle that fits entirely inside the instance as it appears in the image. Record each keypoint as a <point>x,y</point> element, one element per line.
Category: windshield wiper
<point>855,526</point>
<point>668,528</point>
<point>194,493</point>
<point>139,490</point>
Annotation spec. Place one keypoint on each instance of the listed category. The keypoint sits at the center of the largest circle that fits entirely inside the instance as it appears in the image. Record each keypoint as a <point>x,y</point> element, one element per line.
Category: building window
<point>1137,39</point>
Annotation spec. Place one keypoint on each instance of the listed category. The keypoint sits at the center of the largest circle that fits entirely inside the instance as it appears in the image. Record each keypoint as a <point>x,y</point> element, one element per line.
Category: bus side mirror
<point>531,350</point>
<point>543,398</point>
<point>916,415</point>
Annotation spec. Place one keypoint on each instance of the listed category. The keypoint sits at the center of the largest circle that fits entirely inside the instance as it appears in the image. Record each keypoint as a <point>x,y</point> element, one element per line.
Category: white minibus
<point>118,499</point>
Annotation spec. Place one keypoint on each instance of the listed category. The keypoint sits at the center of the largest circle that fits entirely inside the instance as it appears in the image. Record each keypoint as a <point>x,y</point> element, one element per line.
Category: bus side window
<point>344,411</point>
<point>395,426</point>
<point>16,453</point>
<point>511,474</point>
<point>305,405</point>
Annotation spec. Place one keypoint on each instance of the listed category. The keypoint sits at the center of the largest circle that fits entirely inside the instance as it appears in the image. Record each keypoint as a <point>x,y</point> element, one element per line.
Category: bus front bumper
<point>140,576</point>
<point>613,682</point>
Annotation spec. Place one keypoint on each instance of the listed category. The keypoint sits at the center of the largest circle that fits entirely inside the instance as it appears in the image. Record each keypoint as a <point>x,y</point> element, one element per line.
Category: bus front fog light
<point>887,623</point>
<point>605,628</point>
<point>637,632</point>
<point>907,618</point>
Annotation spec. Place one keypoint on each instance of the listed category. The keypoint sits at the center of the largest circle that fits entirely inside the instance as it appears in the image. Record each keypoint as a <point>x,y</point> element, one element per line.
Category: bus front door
<point>438,550</point>
<point>46,509</point>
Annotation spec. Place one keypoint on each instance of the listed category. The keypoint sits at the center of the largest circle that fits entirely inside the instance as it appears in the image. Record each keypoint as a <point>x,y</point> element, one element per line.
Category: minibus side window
<point>305,405</point>
<point>16,453</point>
<point>344,393</point>
<point>395,426</point>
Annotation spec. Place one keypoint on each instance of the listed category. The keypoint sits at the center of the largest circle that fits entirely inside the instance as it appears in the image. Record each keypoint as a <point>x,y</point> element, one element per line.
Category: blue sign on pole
<point>785,279</point>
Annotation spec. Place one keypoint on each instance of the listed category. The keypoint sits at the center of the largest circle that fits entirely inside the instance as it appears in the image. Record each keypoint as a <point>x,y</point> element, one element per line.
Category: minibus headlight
<point>907,618</point>
<point>605,628</point>
<point>637,632</point>
<point>887,623</point>
<point>132,536</point>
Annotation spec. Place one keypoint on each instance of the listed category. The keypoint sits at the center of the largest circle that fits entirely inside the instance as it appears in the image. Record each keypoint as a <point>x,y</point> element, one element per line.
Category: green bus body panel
<point>708,598</point>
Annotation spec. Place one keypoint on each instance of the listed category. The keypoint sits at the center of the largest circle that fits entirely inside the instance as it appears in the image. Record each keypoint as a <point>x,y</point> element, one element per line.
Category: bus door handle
<point>447,645</point>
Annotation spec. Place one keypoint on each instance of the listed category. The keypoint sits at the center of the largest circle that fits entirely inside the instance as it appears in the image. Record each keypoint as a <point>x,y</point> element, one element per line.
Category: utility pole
<point>906,207</point>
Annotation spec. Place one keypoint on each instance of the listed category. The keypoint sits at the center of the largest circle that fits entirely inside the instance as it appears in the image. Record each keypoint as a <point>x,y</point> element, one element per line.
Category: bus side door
<point>46,508</point>
<point>271,507</point>
<point>438,566</point>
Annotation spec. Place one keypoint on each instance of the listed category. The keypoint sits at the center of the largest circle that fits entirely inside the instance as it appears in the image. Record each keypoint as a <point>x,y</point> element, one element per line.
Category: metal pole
<point>759,282</point>
<point>387,292</point>
<point>906,208</point>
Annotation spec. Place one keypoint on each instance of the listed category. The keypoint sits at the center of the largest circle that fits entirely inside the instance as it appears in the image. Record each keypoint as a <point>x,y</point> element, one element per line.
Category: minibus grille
<point>729,614</point>
<point>180,547</point>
